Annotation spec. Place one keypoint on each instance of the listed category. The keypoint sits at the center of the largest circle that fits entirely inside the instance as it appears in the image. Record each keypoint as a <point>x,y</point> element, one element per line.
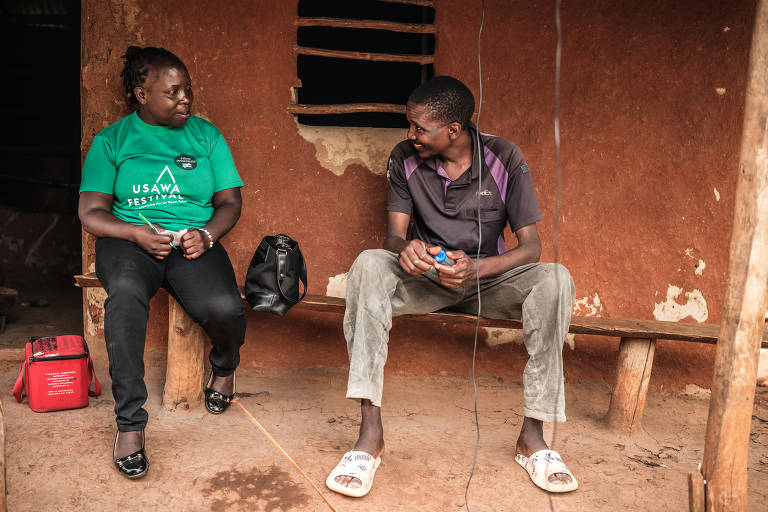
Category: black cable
<point>558,55</point>
<point>556,223</point>
<point>479,151</point>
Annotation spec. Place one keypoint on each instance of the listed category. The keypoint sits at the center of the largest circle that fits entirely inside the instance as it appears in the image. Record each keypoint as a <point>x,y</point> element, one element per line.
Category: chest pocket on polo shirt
<point>492,214</point>
<point>493,220</point>
<point>486,214</point>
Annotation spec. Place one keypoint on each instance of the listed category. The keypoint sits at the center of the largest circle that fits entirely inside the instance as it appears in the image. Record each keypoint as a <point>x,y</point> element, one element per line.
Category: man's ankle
<point>531,438</point>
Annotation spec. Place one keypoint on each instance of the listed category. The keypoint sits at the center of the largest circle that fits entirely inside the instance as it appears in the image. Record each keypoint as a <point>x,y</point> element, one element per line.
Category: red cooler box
<point>56,374</point>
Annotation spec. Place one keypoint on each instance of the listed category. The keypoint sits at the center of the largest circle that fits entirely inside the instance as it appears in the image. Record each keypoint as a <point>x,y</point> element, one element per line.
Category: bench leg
<point>184,366</point>
<point>633,371</point>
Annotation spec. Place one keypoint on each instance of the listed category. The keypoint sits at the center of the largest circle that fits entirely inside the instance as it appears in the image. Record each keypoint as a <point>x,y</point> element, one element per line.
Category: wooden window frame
<point>423,60</point>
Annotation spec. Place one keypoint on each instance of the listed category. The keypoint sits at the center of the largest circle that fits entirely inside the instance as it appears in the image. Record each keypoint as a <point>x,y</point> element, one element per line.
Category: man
<point>438,189</point>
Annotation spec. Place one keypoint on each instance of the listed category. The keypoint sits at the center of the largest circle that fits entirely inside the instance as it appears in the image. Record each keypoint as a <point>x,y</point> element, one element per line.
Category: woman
<point>159,190</point>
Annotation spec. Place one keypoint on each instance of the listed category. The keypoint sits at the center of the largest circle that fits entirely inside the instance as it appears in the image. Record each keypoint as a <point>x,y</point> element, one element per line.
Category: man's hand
<point>415,259</point>
<point>158,246</point>
<point>454,276</point>
<point>193,244</point>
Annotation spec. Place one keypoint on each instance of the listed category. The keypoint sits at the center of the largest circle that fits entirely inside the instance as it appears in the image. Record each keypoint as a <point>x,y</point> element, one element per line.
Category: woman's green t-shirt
<point>167,174</point>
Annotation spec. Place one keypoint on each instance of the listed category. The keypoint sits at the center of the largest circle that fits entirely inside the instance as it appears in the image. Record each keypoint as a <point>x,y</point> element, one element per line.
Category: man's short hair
<point>446,98</point>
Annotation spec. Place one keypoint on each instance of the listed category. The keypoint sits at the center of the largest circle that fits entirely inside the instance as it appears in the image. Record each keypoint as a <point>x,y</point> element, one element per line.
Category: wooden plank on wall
<point>423,3</point>
<point>346,108</point>
<point>377,57</point>
<point>413,28</point>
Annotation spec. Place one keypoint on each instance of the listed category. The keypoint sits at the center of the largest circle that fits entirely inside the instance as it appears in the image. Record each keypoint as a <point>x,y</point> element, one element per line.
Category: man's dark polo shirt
<point>444,212</point>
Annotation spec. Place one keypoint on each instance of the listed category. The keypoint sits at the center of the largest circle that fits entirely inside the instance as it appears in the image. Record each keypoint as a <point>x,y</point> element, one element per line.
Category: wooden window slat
<point>379,57</point>
<point>412,28</point>
<point>423,3</point>
<point>346,108</point>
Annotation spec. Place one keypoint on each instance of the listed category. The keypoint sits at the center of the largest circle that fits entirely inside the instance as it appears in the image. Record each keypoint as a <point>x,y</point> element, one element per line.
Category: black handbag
<point>272,281</point>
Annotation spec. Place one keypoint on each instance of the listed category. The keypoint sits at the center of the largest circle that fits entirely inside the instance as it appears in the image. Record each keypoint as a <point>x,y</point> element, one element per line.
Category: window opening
<point>358,60</point>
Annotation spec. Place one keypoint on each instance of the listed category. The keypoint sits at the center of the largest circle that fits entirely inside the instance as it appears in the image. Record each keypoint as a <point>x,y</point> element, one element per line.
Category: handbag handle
<point>281,258</point>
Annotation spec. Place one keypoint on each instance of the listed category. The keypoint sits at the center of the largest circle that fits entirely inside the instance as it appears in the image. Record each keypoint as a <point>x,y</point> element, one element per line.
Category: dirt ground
<point>62,461</point>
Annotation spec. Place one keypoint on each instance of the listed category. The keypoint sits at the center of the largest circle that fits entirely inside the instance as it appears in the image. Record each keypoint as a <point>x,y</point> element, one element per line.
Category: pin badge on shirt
<point>186,162</point>
<point>524,168</point>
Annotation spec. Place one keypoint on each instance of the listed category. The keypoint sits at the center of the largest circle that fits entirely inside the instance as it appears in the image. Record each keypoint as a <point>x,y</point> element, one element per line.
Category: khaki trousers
<point>541,294</point>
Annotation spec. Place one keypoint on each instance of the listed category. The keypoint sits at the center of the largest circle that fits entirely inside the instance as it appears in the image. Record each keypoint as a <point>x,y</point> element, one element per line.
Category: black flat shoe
<point>217,402</point>
<point>133,466</point>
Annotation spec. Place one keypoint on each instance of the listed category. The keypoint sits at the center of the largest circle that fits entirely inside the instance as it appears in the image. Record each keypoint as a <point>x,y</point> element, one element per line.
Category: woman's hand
<point>193,244</point>
<point>158,246</point>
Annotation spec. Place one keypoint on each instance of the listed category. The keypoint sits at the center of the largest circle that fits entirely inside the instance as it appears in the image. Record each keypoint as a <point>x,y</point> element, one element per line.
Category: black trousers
<point>206,289</point>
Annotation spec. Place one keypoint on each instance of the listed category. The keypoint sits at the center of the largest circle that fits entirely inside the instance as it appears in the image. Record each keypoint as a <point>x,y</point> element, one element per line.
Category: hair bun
<point>132,52</point>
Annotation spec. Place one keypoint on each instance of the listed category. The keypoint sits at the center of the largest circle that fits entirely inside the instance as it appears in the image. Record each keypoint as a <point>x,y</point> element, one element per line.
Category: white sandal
<point>354,464</point>
<point>543,464</point>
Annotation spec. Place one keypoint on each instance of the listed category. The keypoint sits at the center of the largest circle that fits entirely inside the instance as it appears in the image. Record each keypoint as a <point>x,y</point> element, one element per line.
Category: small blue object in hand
<point>443,258</point>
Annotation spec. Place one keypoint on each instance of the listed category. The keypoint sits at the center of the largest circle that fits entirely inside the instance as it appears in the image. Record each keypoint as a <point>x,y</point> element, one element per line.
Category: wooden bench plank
<point>590,325</point>
<point>633,370</point>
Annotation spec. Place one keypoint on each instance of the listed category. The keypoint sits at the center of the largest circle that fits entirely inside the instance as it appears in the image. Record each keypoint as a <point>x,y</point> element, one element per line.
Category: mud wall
<point>651,104</point>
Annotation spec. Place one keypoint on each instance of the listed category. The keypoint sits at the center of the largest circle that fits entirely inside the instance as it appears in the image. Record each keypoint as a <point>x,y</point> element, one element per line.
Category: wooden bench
<point>186,341</point>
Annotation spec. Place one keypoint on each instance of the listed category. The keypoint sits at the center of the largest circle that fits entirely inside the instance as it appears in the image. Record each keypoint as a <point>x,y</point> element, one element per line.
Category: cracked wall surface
<point>649,153</point>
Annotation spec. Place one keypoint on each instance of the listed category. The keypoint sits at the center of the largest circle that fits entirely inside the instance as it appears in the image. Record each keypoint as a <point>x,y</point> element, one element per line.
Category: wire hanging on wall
<point>556,222</point>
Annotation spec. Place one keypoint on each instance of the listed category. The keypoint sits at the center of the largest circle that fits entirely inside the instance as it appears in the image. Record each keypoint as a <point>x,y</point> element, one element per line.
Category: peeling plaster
<point>94,318</point>
<point>337,286</point>
<point>717,194</point>
<point>673,311</point>
<point>700,266</point>
<point>588,306</point>
<point>338,147</point>
<point>495,337</point>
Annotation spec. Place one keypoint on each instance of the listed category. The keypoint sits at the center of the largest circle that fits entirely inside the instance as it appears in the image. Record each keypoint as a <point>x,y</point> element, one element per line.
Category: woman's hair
<point>449,100</point>
<point>138,63</point>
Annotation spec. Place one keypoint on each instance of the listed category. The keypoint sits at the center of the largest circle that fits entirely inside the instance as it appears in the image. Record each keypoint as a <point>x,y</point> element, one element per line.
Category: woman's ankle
<point>128,442</point>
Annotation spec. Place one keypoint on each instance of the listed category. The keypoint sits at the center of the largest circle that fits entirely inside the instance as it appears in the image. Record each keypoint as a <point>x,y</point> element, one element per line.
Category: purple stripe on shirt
<point>502,247</point>
<point>499,173</point>
<point>441,172</point>
<point>410,164</point>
